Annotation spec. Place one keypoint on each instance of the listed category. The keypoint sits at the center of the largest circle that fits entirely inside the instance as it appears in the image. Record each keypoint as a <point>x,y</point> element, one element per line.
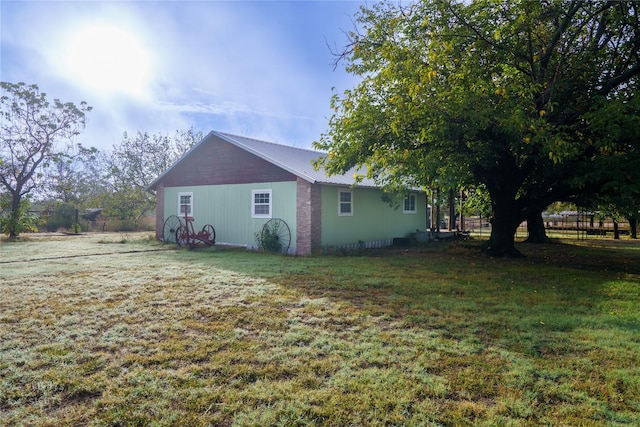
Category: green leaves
<point>31,135</point>
<point>14,222</point>
<point>514,96</point>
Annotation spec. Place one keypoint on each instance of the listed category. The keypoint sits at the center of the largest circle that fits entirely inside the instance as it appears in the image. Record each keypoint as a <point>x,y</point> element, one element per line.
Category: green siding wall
<point>373,219</point>
<point>228,209</point>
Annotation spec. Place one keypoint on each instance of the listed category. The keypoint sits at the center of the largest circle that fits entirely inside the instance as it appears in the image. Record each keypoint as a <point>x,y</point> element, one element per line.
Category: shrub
<point>19,221</point>
<point>64,215</point>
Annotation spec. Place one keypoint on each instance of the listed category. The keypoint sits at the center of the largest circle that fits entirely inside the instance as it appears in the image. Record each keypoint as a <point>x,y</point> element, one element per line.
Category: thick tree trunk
<point>535,229</point>
<point>502,241</point>
<point>14,217</point>
<point>616,230</point>
<point>504,223</point>
<point>633,226</point>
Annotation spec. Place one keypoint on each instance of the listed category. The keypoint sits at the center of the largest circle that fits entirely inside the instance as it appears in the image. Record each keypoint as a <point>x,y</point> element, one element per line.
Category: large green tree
<point>511,95</point>
<point>33,133</point>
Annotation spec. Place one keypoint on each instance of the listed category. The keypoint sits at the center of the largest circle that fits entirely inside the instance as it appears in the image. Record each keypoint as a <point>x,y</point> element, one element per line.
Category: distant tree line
<point>41,166</point>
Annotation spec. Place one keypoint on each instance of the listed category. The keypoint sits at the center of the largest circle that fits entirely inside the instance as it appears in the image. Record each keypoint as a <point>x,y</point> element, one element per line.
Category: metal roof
<point>297,161</point>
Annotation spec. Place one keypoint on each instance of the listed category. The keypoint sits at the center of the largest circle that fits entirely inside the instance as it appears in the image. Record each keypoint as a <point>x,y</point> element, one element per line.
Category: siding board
<point>373,219</point>
<point>228,208</point>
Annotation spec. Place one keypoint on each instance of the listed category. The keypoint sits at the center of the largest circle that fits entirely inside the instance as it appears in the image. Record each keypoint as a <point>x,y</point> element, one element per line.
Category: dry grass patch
<point>143,334</point>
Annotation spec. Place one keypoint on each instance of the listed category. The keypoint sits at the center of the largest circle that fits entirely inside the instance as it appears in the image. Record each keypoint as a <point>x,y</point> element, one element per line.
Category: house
<point>237,184</point>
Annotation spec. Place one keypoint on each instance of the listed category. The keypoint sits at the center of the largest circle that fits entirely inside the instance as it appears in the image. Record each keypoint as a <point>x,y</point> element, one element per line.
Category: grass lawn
<point>118,330</point>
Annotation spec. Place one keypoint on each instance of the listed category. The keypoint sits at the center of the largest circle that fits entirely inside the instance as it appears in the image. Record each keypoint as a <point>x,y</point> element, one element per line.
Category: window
<point>261,204</point>
<point>185,204</point>
<point>409,204</point>
<point>345,202</point>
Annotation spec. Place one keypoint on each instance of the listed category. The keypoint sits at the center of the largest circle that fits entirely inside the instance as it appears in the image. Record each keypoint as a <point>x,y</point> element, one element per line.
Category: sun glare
<point>108,59</point>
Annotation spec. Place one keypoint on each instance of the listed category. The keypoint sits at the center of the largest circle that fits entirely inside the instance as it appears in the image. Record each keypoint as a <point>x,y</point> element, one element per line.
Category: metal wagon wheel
<point>209,233</point>
<point>171,225</point>
<point>275,236</point>
<point>182,235</point>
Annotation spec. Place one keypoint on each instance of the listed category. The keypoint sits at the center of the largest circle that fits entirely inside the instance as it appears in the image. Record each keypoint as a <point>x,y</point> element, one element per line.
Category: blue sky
<point>261,69</point>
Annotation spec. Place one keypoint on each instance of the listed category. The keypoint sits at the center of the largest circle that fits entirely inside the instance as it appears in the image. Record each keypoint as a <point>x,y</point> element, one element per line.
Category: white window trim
<point>415,204</point>
<point>185,193</point>
<point>340,213</point>
<point>253,204</point>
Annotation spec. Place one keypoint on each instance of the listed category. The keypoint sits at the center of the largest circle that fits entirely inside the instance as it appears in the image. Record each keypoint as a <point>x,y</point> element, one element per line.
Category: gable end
<point>218,162</point>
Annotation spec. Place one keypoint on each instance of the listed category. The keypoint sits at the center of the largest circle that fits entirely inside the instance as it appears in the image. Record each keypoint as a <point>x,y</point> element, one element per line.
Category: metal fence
<point>580,225</point>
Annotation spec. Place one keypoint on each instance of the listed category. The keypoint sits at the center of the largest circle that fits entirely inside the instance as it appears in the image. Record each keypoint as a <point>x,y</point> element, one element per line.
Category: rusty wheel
<point>171,225</point>
<point>209,233</point>
<point>182,236</point>
<point>275,236</point>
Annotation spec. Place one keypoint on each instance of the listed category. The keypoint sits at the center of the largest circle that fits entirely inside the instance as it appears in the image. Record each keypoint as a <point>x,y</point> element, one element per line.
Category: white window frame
<point>408,198</point>
<point>340,202</point>
<point>253,204</point>
<point>180,195</point>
